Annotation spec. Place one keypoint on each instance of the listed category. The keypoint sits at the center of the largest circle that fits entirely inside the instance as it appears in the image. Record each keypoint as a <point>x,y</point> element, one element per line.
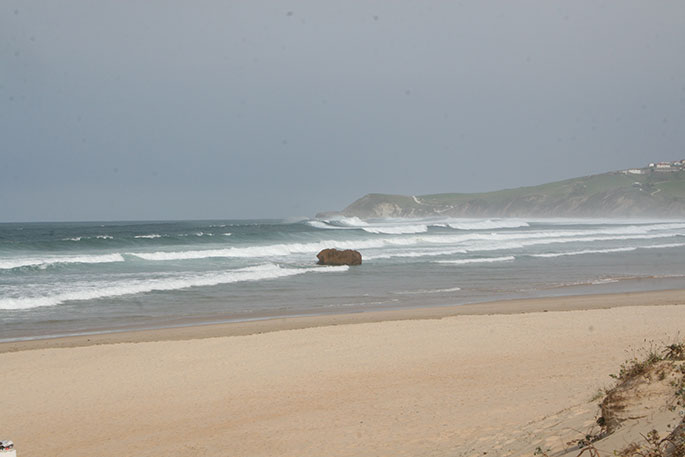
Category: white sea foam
<point>480,260</point>
<point>396,229</point>
<point>284,249</point>
<point>414,253</point>
<point>610,250</point>
<point>664,246</point>
<point>596,282</point>
<point>376,228</point>
<point>604,281</point>
<point>6,264</point>
<point>350,221</point>
<point>338,223</point>
<point>79,238</point>
<point>467,241</point>
<point>488,224</point>
<point>401,226</point>
<point>93,291</point>
<point>597,221</point>
<point>274,250</point>
<point>150,236</point>
<point>427,291</point>
<point>324,225</point>
<point>521,243</point>
<point>584,251</point>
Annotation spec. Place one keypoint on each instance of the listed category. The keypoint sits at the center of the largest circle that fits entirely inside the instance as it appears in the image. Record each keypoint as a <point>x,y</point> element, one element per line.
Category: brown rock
<point>335,257</point>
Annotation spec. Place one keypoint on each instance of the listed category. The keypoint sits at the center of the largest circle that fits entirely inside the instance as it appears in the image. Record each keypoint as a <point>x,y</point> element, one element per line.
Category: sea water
<point>76,278</point>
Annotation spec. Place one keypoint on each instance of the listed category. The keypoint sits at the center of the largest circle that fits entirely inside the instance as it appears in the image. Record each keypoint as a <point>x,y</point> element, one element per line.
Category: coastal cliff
<point>647,192</point>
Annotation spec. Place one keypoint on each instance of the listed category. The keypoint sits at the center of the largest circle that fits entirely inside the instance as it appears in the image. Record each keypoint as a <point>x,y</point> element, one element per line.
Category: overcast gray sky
<point>222,109</point>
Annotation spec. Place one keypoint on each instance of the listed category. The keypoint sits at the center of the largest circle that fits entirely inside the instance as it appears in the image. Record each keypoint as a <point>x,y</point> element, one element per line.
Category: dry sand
<point>443,381</point>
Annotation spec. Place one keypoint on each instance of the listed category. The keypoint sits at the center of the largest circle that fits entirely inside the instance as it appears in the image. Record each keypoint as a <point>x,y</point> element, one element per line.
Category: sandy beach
<point>501,378</point>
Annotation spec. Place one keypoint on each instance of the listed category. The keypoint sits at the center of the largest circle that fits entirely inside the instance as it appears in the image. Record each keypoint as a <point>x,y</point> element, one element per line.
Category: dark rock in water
<point>335,257</point>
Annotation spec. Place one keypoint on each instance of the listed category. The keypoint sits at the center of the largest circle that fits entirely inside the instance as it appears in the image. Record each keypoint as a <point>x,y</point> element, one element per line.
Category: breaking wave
<point>489,224</point>
<point>408,226</point>
<point>415,226</point>
<point>113,289</point>
<point>387,229</point>
<point>350,222</point>
<point>397,229</point>
<point>324,225</point>
<point>609,250</point>
<point>467,242</point>
<point>8,264</point>
<point>415,253</point>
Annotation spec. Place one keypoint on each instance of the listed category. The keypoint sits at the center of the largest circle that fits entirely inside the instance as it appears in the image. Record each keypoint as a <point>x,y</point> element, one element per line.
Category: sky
<point>130,110</point>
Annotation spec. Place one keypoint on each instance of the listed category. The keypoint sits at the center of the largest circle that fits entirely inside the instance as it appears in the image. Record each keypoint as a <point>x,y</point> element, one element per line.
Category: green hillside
<point>651,192</point>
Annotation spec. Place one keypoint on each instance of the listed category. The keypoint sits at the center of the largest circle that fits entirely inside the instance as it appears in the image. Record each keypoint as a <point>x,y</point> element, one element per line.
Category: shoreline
<point>193,330</point>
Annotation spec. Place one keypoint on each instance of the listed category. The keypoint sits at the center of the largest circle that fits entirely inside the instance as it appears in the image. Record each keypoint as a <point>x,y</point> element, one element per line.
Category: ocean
<point>81,278</point>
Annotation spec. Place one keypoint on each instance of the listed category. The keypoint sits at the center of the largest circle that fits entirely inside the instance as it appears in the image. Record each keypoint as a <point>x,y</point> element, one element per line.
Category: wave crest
<point>105,290</point>
<point>489,224</point>
<point>396,229</point>
<point>8,264</point>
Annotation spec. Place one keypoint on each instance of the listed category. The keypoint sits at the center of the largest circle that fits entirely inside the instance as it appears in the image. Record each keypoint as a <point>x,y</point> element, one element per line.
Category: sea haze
<point>72,278</point>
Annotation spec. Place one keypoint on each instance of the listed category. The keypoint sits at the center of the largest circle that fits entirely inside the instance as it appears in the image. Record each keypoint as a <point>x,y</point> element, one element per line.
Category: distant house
<point>635,171</point>
<point>665,166</point>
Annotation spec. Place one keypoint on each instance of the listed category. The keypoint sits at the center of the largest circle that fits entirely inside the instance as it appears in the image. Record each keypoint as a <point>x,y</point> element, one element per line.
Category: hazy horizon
<point>292,217</point>
<point>157,111</point>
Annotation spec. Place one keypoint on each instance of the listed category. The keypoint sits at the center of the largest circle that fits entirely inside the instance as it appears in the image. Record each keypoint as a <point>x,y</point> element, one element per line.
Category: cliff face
<point>652,194</point>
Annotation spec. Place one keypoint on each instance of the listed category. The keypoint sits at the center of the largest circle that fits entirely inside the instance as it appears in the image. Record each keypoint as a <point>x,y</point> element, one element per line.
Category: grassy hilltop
<point>651,191</point>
